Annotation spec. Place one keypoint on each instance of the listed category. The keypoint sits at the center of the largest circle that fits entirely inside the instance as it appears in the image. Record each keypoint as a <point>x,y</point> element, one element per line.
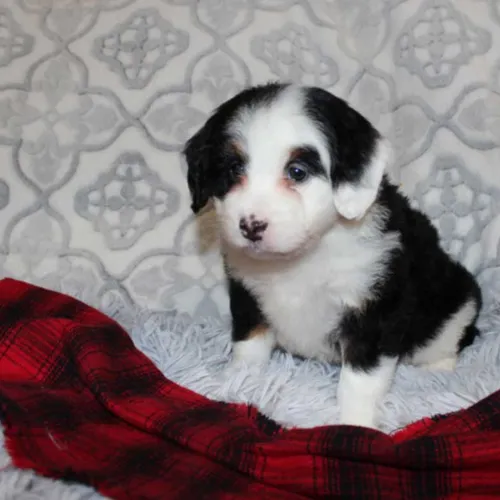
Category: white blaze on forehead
<point>268,132</point>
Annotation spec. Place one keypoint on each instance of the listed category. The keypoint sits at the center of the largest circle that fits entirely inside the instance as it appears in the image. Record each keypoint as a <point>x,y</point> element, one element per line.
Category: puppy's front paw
<point>361,390</point>
<point>256,351</point>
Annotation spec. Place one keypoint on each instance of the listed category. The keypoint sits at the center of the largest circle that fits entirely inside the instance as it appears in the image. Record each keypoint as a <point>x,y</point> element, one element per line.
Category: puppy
<point>324,256</point>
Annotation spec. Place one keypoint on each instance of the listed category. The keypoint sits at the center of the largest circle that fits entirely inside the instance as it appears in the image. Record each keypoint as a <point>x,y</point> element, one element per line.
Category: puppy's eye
<point>237,167</point>
<point>296,173</point>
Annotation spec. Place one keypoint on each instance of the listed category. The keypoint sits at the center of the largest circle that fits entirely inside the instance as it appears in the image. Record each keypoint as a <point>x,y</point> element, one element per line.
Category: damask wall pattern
<point>98,96</point>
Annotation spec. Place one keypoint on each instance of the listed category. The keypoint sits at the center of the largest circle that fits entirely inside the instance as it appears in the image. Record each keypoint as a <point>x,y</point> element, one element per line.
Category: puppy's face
<point>282,164</point>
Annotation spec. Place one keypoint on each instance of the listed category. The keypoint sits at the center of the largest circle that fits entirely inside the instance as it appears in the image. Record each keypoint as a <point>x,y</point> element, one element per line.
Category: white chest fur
<point>304,300</point>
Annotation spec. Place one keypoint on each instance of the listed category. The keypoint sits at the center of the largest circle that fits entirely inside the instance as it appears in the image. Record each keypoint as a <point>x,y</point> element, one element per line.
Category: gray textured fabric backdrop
<point>98,96</point>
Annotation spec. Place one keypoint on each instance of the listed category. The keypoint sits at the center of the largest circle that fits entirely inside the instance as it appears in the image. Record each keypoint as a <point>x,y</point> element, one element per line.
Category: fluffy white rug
<point>291,391</point>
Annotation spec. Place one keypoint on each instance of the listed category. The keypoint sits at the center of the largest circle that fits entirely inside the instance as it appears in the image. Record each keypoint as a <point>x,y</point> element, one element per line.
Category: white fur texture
<point>293,392</point>
<point>267,135</point>
<point>338,273</point>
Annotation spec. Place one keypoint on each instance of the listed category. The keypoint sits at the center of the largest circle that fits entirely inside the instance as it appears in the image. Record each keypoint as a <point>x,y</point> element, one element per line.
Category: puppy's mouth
<point>259,251</point>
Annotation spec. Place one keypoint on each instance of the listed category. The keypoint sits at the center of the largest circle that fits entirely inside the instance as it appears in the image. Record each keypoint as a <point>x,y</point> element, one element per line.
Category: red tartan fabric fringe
<point>79,402</point>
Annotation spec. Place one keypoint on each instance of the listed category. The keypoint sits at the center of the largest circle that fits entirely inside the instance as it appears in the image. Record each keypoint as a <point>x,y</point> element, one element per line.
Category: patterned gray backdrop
<point>98,96</point>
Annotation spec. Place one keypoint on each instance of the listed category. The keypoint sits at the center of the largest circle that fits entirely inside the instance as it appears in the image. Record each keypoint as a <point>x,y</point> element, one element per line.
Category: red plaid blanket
<point>79,402</point>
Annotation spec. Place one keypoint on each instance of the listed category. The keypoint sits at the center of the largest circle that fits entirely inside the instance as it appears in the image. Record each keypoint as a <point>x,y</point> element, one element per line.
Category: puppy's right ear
<point>198,152</point>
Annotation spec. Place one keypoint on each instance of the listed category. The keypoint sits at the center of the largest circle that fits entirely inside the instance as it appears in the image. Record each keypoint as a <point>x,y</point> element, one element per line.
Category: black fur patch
<point>351,138</point>
<point>422,288</point>
<point>245,312</point>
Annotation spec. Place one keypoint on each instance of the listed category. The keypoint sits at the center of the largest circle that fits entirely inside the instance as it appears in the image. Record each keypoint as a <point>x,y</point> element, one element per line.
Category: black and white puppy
<point>324,256</point>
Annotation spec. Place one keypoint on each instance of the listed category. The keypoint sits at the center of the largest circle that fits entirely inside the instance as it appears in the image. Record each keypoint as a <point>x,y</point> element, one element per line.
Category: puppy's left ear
<point>198,152</point>
<point>359,154</point>
<point>356,185</point>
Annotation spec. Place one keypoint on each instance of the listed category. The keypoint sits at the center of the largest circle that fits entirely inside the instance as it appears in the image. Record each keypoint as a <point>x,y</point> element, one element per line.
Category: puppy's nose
<point>251,228</point>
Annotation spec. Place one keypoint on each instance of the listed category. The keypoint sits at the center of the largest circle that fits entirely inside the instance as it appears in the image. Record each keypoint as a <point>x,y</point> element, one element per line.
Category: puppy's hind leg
<point>444,364</point>
<point>458,331</point>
